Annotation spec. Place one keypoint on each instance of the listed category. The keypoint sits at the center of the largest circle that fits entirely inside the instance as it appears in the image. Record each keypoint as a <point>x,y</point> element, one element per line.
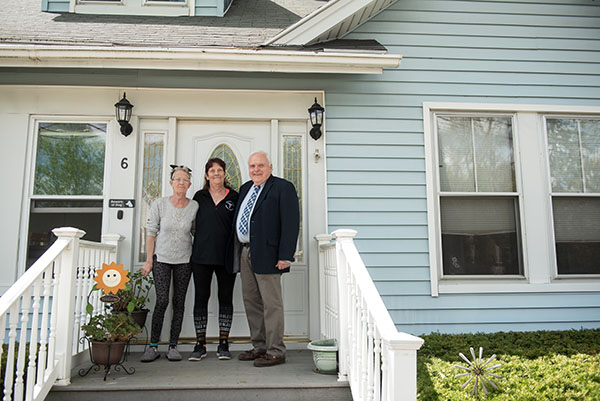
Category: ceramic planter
<point>324,355</point>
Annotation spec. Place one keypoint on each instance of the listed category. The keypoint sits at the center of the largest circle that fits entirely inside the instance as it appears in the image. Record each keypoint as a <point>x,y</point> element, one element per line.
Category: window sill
<point>166,4</point>
<point>103,2</point>
<point>520,285</point>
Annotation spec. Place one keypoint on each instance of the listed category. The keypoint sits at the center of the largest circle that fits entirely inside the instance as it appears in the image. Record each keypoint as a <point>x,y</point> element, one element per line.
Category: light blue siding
<point>57,6</point>
<point>533,52</point>
<point>208,7</point>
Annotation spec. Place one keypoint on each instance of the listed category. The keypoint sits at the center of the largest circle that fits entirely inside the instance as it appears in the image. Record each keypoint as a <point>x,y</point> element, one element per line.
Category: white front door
<point>235,140</point>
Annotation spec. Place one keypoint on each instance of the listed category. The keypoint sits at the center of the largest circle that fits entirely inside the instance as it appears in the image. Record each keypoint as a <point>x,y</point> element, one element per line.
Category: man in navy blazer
<point>264,238</point>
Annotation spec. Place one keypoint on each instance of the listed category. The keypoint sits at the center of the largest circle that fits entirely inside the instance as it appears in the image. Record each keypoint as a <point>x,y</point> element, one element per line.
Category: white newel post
<point>65,305</point>
<point>323,239</point>
<point>401,372</point>
<point>113,239</point>
<point>342,237</point>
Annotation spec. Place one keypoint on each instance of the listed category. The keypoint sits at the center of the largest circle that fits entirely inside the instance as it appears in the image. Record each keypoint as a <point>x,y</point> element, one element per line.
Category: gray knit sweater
<point>173,229</point>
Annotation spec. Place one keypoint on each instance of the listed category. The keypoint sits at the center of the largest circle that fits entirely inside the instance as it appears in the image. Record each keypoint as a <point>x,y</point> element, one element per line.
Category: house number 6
<point>124,163</point>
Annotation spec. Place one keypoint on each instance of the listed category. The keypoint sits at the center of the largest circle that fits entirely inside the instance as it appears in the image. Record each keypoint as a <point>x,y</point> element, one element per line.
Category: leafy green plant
<point>111,327</point>
<point>133,298</point>
<point>136,295</point>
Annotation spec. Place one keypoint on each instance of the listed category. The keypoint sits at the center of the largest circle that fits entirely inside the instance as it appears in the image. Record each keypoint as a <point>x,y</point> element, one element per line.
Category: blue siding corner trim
<point>55,6</point>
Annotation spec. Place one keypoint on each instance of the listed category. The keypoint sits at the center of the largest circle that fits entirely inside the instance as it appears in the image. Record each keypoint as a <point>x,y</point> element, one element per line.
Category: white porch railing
<point>379,362</point>
<point>60,280</point>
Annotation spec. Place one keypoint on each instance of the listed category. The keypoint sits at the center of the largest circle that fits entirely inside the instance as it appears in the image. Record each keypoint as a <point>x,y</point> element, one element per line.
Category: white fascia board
<point>195,59</point>
<point>319,21</point>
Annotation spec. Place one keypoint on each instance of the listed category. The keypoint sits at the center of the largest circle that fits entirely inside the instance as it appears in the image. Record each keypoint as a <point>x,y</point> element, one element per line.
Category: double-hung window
<point>513,197</point>
<point>479,203</point>
<point>574,160</point>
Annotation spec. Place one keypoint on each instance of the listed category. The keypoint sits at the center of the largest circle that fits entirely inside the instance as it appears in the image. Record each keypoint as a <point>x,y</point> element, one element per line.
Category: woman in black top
<point>214,219</point>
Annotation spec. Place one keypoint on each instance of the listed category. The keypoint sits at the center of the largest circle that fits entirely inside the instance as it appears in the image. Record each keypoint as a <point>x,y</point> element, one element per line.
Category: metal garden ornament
<point>478,370</point>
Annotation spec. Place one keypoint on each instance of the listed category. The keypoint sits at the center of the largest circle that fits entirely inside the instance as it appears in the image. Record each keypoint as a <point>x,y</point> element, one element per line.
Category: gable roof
<point>330,22</point>
<point>32,38</point>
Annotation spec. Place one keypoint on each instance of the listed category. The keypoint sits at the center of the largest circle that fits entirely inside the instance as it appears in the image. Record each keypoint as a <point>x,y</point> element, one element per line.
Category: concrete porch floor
<point>209,379</point>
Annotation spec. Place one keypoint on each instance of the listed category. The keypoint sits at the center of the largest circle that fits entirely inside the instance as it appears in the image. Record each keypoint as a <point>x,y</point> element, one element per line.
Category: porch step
<point>206,380</point>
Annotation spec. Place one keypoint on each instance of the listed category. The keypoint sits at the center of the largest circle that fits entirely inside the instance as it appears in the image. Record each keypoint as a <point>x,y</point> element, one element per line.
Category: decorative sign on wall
<point>121,203</point>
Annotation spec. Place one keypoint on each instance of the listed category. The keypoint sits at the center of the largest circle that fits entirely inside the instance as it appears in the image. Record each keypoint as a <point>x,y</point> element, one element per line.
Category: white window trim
<point>540,274</point>
<point>150,128</point>
<point>165,3</point>
<point>103,2</point>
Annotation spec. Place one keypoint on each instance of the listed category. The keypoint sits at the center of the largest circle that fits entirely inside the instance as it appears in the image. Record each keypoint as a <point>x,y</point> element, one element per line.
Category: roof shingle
<point>247,24</point>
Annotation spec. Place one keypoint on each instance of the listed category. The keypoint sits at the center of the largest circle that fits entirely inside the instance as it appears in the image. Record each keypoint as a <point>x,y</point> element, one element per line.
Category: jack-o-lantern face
<point>111,278</point>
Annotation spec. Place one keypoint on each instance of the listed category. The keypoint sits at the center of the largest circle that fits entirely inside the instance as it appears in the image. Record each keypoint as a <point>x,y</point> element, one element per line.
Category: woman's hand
<point>147,268</point>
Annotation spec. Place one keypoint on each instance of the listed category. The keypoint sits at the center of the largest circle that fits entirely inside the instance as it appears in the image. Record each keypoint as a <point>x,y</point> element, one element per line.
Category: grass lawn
<point>541,365</point>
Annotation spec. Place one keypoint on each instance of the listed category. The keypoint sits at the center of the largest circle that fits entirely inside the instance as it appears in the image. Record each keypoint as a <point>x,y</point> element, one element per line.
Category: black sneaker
<point>199,353</point>
<point>223,351</point>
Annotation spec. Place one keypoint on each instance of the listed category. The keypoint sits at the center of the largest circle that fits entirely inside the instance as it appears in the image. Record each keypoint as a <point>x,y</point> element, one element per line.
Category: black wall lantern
<point>316,119</point>
<point>123,112</point>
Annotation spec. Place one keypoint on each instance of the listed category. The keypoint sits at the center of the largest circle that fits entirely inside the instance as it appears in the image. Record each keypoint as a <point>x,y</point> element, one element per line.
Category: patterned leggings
<point>202,280</point>
<point>162,281</point>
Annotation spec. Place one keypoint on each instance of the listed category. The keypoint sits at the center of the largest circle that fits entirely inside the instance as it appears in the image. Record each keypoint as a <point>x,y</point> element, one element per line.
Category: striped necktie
<point>243,227</point>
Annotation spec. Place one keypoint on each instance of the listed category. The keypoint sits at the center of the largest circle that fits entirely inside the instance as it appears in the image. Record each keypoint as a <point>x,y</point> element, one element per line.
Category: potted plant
<point>134,297</point>
<point>108,334</point>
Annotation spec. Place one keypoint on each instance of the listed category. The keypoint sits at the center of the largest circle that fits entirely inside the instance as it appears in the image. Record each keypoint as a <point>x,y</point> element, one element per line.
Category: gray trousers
<point>264,307</point>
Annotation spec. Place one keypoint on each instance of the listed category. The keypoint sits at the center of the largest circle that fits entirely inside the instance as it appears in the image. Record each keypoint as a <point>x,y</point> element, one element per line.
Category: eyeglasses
<point>176,167</point>
<point>184,180</point>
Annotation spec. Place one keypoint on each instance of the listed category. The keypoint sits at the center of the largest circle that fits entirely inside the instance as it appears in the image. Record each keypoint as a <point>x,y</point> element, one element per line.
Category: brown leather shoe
<point>269,360</point>
<point>251,355</point>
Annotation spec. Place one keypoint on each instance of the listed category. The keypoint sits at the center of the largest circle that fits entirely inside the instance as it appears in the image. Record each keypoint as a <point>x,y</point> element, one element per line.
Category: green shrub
<point>542,365</point>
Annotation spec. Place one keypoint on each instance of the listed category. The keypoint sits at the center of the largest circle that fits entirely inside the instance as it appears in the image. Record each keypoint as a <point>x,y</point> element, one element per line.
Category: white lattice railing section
<point>44,310</point>
<point>379,362</point>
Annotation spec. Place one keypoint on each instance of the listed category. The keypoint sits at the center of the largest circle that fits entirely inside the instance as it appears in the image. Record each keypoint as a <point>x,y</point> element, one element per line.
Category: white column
<point>322,239</point>
<point>343,236</point>
<point>65,301</point>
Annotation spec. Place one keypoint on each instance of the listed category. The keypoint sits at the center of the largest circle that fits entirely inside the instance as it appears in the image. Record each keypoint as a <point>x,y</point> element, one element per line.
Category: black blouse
<point>213,227</point>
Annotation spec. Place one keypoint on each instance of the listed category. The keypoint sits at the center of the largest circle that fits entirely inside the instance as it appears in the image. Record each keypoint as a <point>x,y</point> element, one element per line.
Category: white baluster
<point>79,268</point>
<point>42,358</point>
<point>370,358</point>
<point>364,338</point>
<point>384,374</point>
<point>9,378</point>
<point>33,340</point>
<point>2,333</point>
<point>56,276</point>
<point>355,329</point>
<point>20,373</point>
<point>377,365</point>
<point>99,306</point>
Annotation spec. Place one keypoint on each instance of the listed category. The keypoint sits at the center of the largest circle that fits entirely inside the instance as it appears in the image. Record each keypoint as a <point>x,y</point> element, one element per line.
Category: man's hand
<point>283,264</point>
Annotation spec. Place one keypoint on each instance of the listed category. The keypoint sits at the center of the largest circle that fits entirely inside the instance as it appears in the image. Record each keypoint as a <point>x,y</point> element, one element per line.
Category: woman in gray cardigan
<point>170,228</point>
